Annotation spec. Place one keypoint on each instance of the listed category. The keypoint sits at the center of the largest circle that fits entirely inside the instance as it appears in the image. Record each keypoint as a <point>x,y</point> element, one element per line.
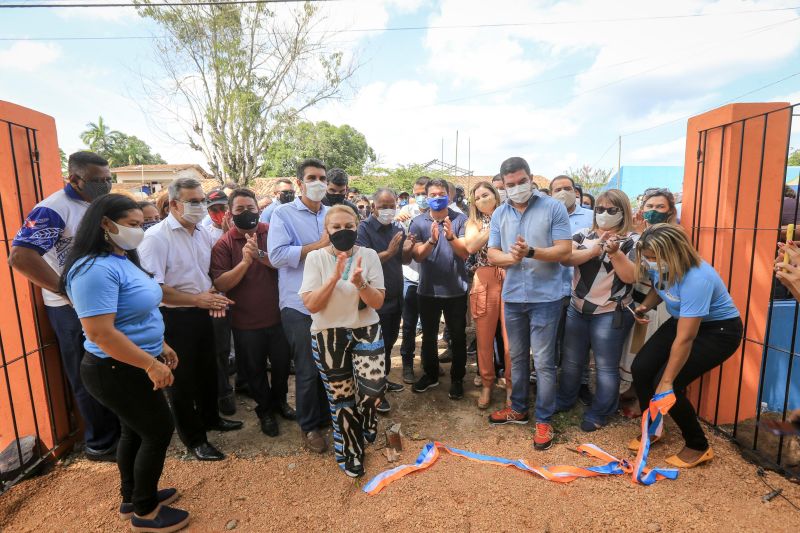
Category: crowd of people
<point>150,300</point>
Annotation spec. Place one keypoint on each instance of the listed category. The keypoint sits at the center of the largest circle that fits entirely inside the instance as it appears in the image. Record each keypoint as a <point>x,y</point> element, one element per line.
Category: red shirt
<point>256,295</point>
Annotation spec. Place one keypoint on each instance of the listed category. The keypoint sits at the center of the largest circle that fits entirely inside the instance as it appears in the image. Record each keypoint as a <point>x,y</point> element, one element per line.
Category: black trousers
<point>193,395</point>
<point>145,421</point>
<point>455,318</point>
<point>410,316</point>
<point>390,325</point>
<point>715,342</point>
<point>222,338</point>
<point>253,348</point>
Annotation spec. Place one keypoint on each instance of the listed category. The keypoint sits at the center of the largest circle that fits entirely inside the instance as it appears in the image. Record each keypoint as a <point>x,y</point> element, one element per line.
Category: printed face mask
<point>95,189</point>
<point>126,238</point>
<point>147,225</point>
<point>286,197</point>
<point>655,217</point>
<point>217,217</point>
<point>520,193</point>
<point>386,216</point>
<point>422,201</point>
<point>315,190</point>
<point>437,204</point>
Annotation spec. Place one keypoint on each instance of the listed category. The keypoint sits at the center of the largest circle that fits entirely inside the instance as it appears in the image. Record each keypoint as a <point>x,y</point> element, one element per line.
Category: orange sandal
<point>677,461</point>
<point>633,444</point>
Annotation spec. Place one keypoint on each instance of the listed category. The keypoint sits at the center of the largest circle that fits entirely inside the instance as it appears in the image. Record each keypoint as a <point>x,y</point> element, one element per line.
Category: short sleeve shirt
<point>342,309</point>
<point>373,234</point>
<point>700,293</point>
<point>442,274</point>
<point>595,286</point>
<point>112,284</point>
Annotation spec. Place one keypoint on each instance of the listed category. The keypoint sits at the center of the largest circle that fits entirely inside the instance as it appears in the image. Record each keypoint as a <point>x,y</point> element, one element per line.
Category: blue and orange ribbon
<point>652,425</point>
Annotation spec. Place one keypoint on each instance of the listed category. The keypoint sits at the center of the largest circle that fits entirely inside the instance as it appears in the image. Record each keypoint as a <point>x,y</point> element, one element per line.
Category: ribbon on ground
<point>652,425</point>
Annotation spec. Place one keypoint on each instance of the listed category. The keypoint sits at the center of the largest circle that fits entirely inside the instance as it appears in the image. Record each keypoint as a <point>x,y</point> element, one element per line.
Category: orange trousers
<point>486,307</point>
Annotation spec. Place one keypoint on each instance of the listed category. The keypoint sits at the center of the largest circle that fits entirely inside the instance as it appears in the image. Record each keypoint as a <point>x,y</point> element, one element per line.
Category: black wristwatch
<point>450,238</point>
<point>531,252</point>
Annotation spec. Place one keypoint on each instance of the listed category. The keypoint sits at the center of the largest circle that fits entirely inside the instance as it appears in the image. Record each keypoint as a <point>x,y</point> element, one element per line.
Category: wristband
<point>432,243</point>
<point>151,366</point>
<point>450,238</point>
<point>363,286</point>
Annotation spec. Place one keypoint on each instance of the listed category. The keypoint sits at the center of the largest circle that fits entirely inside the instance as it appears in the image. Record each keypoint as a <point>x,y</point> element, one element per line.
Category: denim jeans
<point>311,400</point>
<point>100,425</point>
<point>533,325</point>
<point>580,332</point>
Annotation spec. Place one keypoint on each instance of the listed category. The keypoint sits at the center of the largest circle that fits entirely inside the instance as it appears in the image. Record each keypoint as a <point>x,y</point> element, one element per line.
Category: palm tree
<point>99,138</point>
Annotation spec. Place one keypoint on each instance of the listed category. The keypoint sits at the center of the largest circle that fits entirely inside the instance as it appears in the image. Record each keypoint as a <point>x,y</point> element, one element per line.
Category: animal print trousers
<point>351,364</point>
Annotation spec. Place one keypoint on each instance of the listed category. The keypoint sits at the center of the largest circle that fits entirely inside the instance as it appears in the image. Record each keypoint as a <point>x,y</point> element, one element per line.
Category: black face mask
<point>286,197</point>
<point>344,239</point>
<point>334,199</point>
<point>246,220</point>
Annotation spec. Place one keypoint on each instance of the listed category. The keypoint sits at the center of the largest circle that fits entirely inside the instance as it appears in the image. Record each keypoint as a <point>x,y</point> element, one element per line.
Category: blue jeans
<point>311,400</point>
<point>410,318</point>
<point>580,332</point>
<point>100,426</point>
<point>533,325</point>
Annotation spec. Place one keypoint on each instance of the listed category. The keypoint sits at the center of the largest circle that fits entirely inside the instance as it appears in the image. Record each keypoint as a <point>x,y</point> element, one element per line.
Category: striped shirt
<point>595,286</point>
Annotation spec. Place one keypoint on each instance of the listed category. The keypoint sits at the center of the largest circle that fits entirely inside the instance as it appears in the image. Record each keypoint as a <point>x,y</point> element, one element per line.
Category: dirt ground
<point>272,484</point>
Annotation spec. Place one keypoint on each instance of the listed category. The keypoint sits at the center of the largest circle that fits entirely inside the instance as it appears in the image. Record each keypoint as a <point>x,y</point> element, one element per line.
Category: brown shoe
<point>315,442</point>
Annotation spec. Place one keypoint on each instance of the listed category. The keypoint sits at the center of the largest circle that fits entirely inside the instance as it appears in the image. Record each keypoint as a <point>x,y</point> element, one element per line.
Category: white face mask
<point>566,197</point>
<point>126,238</point>
<point>519,194</point>
<point>606,221</point>
<point>386,216</point>
<point>503,195</point>
<point>315,190</point>
<point>192,213</point>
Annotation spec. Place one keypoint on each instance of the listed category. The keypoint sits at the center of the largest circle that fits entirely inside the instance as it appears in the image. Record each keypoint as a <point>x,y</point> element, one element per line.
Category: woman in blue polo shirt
<point>704,330</point>
<point>126,360</point>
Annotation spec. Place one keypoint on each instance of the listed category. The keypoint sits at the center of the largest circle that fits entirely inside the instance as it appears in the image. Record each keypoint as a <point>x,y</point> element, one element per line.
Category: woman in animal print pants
<point>342,287</point>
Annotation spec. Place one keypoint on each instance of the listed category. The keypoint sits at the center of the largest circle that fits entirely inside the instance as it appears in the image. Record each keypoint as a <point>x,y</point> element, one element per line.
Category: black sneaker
<point>384,406</point>
<point>227,405</point>
<point>424,383</point>
<point>391,386</point>
<point>585,395</point>
<point>408,374</point>
<point>165,497</point>
<point>167,519</point>
<point>456,390</point>
<point>269,426</point>
<point>446,357</point>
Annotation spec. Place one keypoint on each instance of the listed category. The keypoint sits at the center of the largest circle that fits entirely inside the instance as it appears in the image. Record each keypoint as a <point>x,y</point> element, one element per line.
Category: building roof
<point>162,168</point>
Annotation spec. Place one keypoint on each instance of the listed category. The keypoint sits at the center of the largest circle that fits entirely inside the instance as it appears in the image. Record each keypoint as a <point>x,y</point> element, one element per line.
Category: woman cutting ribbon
<point>704,330</point>
<point>342,288</point>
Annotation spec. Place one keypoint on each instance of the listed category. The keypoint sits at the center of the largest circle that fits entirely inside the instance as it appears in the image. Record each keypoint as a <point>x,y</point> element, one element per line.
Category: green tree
<point>794,158</point>
<point>63,156</point>
<point>116,147</point>
<point>233,76</point>
<point>338,146</point>
<point>400,179</point>
<point>590,179</point>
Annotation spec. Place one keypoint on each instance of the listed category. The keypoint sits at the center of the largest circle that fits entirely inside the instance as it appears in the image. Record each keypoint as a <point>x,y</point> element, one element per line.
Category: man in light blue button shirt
<point>530,236</point>
<point>297,228</point>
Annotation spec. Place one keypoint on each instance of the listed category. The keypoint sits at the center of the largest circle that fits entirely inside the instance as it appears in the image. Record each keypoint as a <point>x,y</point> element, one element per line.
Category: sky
<point>554,82</point>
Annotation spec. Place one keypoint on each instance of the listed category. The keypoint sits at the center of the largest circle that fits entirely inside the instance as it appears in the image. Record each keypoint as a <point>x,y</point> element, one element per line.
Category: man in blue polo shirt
<point>39,252</point>
<point>440,251</point>
<point>296,229</point>
<point>530,236</point>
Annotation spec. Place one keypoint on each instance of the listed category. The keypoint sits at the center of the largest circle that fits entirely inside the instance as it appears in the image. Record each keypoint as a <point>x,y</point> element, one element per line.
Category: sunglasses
<point>610,210</point>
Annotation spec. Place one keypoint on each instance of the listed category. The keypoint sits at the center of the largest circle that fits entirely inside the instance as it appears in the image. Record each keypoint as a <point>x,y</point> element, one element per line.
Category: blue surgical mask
<point>422,201</point>
<point>403,203</point>
<point>437,204</point>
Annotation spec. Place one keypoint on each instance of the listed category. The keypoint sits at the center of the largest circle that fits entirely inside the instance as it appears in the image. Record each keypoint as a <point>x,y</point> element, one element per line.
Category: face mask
<point>95,189</point>
<point>484,204</point>
<point>193,214</point>
<point>246,220</point>
<point>344,239</point>
<point>565,197</point>
<point>437,204</point>
<point>217,217</point>
<point>315,190</point>
<point>459,199</point>
<point>147,225</point>
<point>126,238</point>
<point>520,193</point>
<point>606,221</point>
<point>422,201</point>
<point>403,203</point>
<point>655,217</point>
<point>334,199</point>
<point>503,195</point>
<point>286,197</point>
<point>386,216</point>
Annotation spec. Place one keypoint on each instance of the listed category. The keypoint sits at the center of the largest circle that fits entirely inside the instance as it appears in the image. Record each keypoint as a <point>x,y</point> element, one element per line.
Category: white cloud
<point>666,153</point>
<point>28,56</point>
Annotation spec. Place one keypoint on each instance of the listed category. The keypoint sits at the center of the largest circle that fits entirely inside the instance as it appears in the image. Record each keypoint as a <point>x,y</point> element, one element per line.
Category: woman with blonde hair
<point>486,304</point>
<point>705,329</point>
<point>601,288</point>
<point>342,288</point>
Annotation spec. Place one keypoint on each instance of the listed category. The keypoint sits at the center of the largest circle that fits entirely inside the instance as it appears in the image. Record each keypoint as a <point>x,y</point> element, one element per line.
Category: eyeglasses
<point>610,210</point>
